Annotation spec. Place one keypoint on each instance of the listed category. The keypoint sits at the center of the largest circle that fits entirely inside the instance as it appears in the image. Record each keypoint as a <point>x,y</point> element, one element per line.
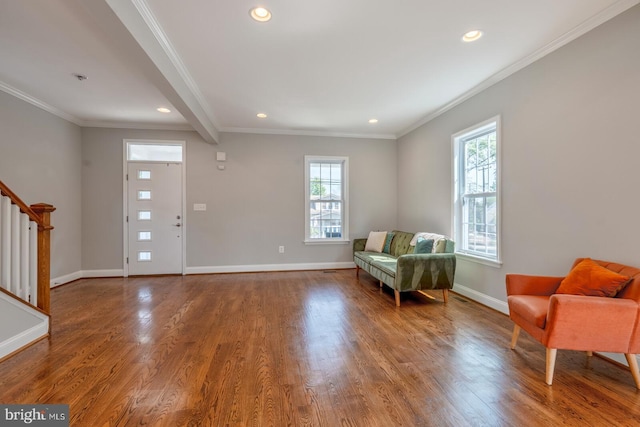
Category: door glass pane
<point>144,236</point>
<point>144,195</point>
<point>144,255</point>
<point>144,175</point>
<point>154,152</point>
<point>144,215</point>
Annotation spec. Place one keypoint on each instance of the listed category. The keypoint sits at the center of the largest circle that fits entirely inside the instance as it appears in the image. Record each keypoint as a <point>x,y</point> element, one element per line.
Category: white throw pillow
<point>435,237</point>
<point>375,242</point>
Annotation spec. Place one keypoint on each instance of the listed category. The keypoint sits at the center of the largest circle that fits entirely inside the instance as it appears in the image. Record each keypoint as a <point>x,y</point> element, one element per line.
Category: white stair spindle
<point>33,263</point>
<point>15,250</point>
<point>5,260</point>
<point>24,257</point>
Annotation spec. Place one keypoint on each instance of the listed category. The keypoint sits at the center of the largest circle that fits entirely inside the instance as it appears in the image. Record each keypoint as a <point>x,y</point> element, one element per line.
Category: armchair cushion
<point>531,307</point>
<point>591,279</point>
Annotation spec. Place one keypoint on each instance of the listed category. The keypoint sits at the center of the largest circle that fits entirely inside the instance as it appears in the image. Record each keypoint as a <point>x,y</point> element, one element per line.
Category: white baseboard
<point>269,267</point>
<point>102,273</point>
<point>27,315</point>
<point>23,339</point>
<point>82,274</point>
<point>57,281</point>
<point>483,299</point>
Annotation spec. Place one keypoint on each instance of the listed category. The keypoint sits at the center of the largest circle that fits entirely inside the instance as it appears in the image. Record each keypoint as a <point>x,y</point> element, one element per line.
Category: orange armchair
<point>577,322</point>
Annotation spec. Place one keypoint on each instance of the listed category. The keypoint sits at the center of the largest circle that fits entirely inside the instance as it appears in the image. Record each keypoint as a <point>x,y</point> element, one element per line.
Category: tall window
<point>477,190</point>
<point>326,199</point>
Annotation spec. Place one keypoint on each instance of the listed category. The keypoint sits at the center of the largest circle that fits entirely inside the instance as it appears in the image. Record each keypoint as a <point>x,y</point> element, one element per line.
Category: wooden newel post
<point>44,255</point>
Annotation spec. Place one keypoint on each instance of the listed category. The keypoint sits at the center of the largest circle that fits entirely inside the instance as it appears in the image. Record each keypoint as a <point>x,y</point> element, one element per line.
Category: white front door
<point>154,206</point>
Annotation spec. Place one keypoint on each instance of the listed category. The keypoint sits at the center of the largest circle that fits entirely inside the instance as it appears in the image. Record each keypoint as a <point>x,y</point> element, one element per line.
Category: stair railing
<point>25,249</point>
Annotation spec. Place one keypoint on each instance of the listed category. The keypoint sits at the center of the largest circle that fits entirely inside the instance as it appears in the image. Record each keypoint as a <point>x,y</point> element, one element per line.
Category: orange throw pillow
<point>592,279</point>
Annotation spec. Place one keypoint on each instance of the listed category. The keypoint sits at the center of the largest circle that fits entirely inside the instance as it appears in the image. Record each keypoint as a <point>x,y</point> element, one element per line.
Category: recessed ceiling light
<point>163,110</point>
<point>260,14</point>
<point>261,115</point>
<point>372,121</point>
<point>472,36</point>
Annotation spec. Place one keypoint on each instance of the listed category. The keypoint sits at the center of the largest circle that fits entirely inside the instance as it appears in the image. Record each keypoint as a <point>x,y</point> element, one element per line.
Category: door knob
<point>178,225</point>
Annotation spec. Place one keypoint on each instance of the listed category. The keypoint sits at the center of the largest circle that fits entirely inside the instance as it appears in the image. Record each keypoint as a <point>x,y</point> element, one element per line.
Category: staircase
<point>24,272</point>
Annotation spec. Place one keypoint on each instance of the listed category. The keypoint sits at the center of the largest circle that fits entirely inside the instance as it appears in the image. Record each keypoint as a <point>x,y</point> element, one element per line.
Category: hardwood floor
<point>300,348</point>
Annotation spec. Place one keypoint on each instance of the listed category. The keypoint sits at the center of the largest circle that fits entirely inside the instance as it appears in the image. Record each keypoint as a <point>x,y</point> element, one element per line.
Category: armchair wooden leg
<point>589,353</point>
<point>445,295</point>
<point>551,364</point>
<point>380,283</point>
<point>633,367</point>
<point>397,293</point>
<point>357,271</point>
<point>514,336</point>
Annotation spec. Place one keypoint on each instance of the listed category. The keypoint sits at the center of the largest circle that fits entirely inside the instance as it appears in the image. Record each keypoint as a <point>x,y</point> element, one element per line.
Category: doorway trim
<point>125,202</point>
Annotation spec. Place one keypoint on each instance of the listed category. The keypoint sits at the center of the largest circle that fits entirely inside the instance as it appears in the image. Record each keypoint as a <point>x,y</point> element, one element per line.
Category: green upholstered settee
<point>403,270</point>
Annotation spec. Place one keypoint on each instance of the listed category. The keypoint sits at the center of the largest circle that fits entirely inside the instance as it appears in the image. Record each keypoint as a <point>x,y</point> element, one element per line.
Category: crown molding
<point>583,28</point>
<point>307,133</point>
<point>39,103</point>
<point>23,96</point>
<point>137,125</point>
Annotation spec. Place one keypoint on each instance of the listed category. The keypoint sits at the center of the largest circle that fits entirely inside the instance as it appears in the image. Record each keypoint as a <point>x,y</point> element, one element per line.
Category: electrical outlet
<point>281,249</point>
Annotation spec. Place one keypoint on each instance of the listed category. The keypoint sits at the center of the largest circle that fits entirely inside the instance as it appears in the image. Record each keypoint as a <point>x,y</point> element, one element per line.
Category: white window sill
<point>479,260</point>
<point>326,242</point>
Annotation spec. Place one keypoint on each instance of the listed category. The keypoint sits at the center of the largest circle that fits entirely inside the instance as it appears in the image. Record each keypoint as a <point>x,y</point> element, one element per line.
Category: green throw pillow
<point>387,243</point>
<point>423,246</point>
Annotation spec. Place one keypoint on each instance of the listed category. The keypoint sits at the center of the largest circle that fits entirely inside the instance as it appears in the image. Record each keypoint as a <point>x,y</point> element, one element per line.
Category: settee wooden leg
<point>397,293</point>
<point>633,367</point>
<point>357,271</point>
<point>589,353</point>
<point>551,364</point>
<point>445,295</point>
<point>514,336</point>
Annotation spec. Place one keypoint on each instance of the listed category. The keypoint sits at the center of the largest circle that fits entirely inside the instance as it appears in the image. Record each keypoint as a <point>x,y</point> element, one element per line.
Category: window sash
<point>479,225</point>
<point>326,199</point>
<point>476,190</point>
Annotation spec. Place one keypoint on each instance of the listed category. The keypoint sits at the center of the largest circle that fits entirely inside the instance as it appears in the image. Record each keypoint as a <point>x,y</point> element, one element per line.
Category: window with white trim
<point>476,209</point>
<point>326,199</point>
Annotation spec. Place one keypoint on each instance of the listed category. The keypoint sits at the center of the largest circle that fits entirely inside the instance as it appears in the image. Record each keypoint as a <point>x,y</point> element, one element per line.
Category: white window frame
<point>344,162</point>
<point>457,141</point>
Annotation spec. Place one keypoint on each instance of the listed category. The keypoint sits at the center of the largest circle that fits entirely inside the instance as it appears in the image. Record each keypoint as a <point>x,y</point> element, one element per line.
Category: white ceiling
<point>322,68</point>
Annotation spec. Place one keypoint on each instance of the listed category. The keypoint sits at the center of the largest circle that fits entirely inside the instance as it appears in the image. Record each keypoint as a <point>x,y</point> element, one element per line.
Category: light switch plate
<point>199,207</point>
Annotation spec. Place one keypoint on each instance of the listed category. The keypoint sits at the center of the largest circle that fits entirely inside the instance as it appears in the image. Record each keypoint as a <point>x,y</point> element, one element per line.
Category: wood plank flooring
<point>300,349</point>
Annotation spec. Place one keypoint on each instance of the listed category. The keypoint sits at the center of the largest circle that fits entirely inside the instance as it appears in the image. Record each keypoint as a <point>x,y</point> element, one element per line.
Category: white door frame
<point>125,201</point>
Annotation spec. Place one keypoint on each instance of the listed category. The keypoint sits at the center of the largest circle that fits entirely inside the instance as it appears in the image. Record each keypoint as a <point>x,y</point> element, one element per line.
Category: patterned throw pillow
<point>423,246</point>
<point>592,279</point>
<point>387,243</point>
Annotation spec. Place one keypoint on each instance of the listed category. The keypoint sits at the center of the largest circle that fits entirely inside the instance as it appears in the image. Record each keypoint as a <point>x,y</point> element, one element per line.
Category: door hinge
<point>127,260</point>
<point>127,218</point>
<point>127,177</point>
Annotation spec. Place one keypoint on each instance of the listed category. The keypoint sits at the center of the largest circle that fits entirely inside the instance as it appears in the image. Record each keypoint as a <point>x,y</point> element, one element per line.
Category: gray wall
<point>253,206</point>
<point>570,151</point>
<point>40,162</point>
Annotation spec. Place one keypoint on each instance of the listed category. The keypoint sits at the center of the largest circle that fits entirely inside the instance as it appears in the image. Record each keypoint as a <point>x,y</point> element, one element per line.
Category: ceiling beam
<point>132,26</point>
